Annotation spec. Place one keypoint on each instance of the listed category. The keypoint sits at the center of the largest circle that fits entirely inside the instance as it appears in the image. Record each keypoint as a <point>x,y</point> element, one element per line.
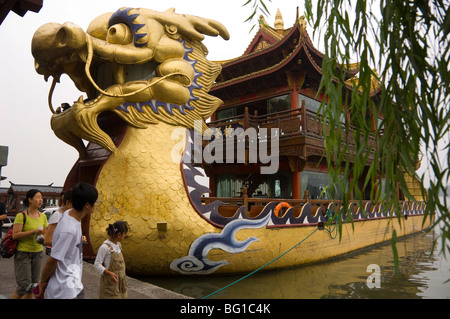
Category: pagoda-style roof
<point>271,50</point>
<point>23,188</point>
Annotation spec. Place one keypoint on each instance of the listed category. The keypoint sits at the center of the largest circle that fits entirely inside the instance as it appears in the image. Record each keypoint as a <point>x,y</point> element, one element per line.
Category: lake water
<point>421,274</point>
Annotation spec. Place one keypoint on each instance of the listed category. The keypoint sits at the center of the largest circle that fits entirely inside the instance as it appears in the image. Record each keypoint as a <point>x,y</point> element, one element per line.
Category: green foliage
<point>390,130</point>
<point>394,250</point>
<point>408,41</point>
<point>258,6</point>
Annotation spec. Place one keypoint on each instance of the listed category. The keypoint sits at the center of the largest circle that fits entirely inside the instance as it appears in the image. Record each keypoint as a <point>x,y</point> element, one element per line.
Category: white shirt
<point>67,248</point>
<point>56,216</point>
<point>103,258</point>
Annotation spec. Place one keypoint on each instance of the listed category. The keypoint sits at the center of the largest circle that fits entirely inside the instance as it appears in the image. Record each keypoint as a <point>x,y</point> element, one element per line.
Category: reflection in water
<point>422,274</point>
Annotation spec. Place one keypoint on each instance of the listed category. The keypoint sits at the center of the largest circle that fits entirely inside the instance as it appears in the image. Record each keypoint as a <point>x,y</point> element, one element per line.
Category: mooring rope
<point>255,271</point>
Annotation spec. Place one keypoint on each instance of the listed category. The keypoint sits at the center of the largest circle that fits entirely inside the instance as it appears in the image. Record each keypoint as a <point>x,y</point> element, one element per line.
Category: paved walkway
<point>91,282</point>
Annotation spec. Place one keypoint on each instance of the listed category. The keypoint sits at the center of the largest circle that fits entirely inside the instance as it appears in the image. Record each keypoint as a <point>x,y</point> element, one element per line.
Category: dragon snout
<point>52,42</point>
<point>57,49</point>
<point>181,70</point>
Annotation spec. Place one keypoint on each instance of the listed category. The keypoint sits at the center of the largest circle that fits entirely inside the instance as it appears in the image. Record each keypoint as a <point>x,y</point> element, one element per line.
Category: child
<point>110,264</point>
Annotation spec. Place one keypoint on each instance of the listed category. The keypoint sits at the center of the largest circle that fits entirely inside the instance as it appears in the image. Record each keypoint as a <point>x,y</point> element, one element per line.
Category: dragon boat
<point>147,82</point>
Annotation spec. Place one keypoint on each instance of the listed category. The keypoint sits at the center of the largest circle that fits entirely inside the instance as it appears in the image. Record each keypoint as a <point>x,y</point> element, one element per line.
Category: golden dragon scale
<point>148,179</point>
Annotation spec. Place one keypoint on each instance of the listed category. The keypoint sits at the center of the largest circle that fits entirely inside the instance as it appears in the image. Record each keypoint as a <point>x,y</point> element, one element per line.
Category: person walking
<point>29,251</point>
<point>56,216</point>
<point>110,264</point>
<point>61,274</point>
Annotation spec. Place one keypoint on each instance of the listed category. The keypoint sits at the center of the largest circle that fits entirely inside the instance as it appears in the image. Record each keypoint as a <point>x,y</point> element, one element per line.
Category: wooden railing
<point>294,122</point>
<point>254,206</point>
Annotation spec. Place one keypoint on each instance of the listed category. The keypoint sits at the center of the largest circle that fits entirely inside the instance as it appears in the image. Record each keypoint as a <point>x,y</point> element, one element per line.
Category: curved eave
<point>310,50</point>
<point>270,70</point>
<point>260,73</point>
<point>262,52</point>
<point>314,57</point>
<point>311,60</point>
<point>274,68</point>
<point>318,56</point>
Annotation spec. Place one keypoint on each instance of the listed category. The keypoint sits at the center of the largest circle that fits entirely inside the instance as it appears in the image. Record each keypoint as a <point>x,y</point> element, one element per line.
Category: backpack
<point>8,244</point>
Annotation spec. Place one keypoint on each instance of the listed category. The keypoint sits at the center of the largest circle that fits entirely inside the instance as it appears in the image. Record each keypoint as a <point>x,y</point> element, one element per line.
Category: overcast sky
<point>36,155</point>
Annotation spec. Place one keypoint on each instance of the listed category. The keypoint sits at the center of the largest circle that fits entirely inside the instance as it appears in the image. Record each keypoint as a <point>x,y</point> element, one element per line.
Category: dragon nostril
<point>61,38</point>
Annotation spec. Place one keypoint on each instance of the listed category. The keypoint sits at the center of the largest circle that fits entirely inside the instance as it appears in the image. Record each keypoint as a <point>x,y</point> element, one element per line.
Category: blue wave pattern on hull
<point>197,262</point>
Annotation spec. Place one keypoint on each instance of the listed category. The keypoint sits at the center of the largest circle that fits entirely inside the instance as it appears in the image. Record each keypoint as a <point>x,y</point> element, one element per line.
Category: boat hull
<point>172,232</point>
<point>312,244</point>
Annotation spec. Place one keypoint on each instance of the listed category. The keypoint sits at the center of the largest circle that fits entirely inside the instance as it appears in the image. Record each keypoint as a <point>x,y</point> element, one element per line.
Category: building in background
<point>15,194</point>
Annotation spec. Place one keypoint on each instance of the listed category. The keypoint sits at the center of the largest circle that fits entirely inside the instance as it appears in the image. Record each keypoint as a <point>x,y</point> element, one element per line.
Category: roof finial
<point>279,23</point>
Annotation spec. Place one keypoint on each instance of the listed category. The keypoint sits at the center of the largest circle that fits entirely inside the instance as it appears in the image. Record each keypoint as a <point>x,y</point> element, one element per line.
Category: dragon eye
<point>119,34</point>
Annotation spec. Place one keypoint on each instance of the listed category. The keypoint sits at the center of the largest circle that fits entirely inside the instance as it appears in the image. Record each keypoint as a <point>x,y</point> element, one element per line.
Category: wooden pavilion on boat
<point>275,84</point>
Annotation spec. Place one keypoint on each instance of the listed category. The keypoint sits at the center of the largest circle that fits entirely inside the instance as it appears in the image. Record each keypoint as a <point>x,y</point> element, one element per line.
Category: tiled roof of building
<point>22,188</point>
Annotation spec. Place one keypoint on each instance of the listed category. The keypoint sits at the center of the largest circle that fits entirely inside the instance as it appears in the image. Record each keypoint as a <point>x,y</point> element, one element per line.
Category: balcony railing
<point>291,123</point>
<point>254,206</point>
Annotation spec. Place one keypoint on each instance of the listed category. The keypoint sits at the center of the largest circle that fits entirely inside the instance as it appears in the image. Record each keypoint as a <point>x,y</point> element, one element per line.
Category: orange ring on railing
<point>279,206</point>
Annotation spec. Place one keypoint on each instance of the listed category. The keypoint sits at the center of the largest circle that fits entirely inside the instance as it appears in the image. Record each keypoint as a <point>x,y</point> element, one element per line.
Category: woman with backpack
<point>29,253</point>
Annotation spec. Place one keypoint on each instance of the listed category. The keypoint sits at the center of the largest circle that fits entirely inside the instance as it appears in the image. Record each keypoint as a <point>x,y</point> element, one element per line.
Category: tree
<point>408,43</point>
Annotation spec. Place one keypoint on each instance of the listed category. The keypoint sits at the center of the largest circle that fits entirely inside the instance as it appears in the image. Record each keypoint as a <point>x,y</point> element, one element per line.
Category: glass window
<point>279,103</point>
<point>310,103</point>
<point>226,113</point>
<point>314,105</point>
<point>275,186</point>
<point>228,186</point>
<point>319,186</point>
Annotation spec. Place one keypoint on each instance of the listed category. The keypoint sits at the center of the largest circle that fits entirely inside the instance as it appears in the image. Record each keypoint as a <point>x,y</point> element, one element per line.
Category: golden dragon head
<point>145,66</point>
